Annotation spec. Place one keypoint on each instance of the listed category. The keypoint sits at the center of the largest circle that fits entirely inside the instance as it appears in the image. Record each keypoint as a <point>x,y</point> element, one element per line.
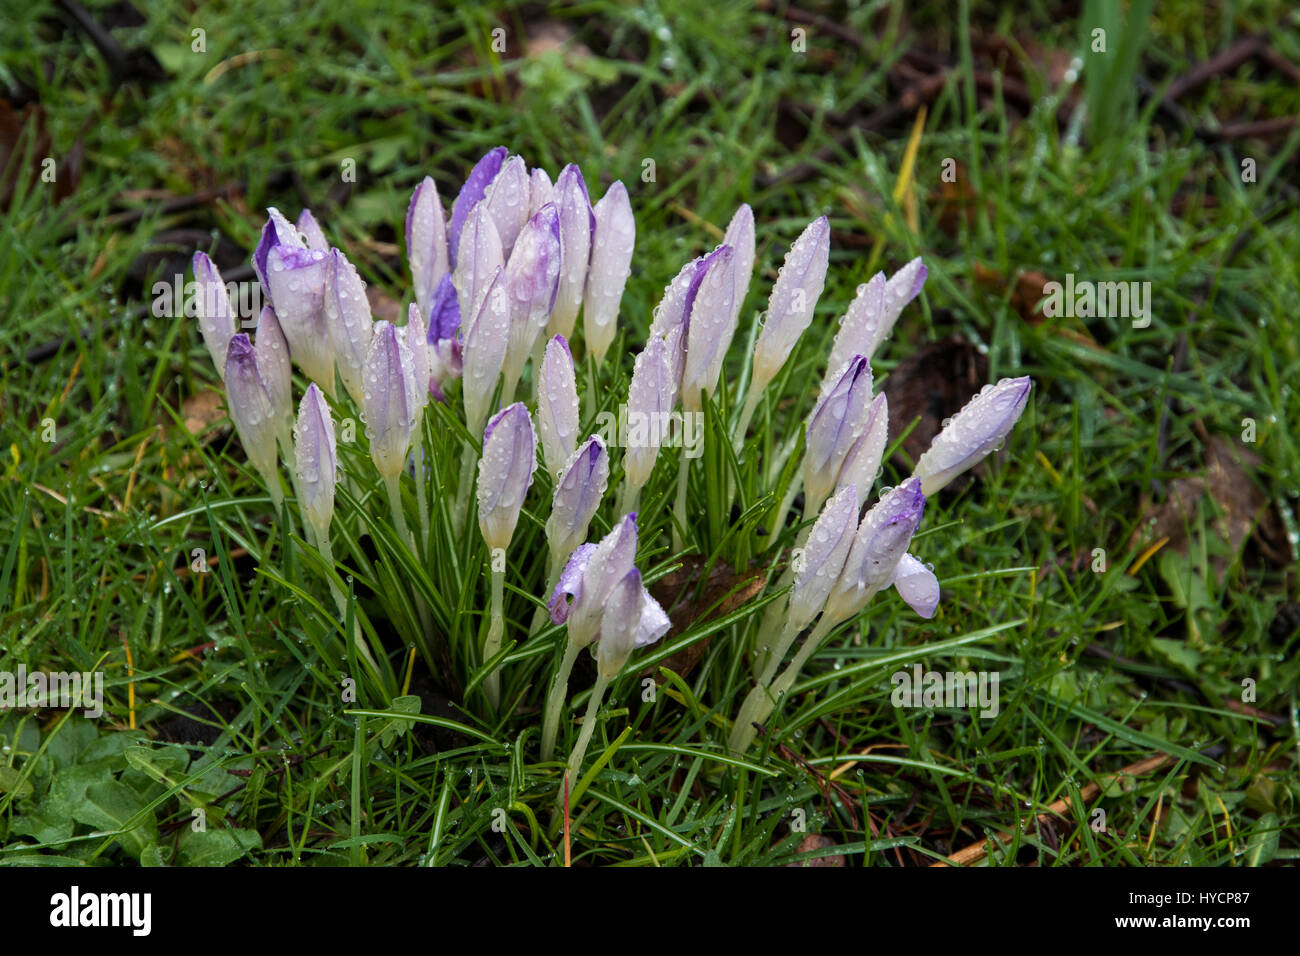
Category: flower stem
<point>746,413</point>
<point>323,546</point>
<point>588,727</point>
<point>683,472</point>
<point>761,701</point>
<point>555,699</point>
<point>631,497</point>
<point>458,516</point>
<point>553,570</point>
<point>492,682</point>
<point>393,483</point>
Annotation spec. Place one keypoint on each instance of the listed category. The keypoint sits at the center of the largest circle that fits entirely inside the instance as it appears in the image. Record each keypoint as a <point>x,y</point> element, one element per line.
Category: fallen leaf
<point>813,842</point>
<point>203,410</point>
<point>676,591</point>
<point>1026,294</point>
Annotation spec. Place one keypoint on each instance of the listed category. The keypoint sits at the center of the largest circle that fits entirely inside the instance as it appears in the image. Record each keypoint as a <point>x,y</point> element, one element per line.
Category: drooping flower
<point>588,577</point>
<point>619,624</point>
<point>505,472</point>
<point>348,320</point>
<point>878,547</point>
<point>476,183</point>
<point>795,293</point>
<point>582,483</point>
<point>917,585</point>
<point>426,243</point>
<point>316,461</point>
<point>576,225</point>
<point>612,240</point>
<point>557,405</point>
<point>980,427</point>
<point>389,400</point>
<point>216,316</point>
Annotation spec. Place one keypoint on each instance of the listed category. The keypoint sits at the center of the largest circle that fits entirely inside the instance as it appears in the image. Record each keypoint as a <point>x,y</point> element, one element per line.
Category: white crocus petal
<point>557,405</point>
<point>858,328</point>
<point>795,293</point>
<point>540,191</point>
<point>823,557</point>
<point>670,313</point>
<point>917,585</point>
<point>273,364</point>
<point>863,462</point>
<point>575,249</point>
<point>504,473</point>
<point>834,427</point>
<point>650,398</point>
<point>388,404</point>
<point>880,543</point>
<point>216,316</point>
<point>277,231</point>
<point>611,263</point>
<point>531,278</point>
<point>471,193</point>
<point>619,623</point>
<point>312,234</point>
<point>348,320</point>
<point>480,255</point>
<point>251,409</point>
<point>740,237</point>
<point>903,286</point>
<point>485,351</point>
<point>709,326</point>
<point>578,493</point>
<point>612,558</point>
<point>507,199</point>
<point>316,460</point>
<point>416,336</point>
<point>296,276</point>
<point>654,623</point>
<point>979,428</point>
<point>426,242</point>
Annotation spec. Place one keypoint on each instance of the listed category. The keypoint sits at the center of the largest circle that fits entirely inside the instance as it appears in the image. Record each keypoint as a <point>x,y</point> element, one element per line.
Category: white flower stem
<point>496,628</point>
<point>631,497</point>
<point>422,495</point>
<point>751,404</point>
<point>327,555</point>
<point>588,727</point>
<point>393,483</point>
<point>459,515</point>
<point>683,472</point>
<point>761,701</point>
<point>554,567</point>
<point>555,699</point>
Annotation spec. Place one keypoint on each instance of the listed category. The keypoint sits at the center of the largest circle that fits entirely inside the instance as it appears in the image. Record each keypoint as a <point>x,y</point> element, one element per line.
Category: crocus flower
<point>476,183</point>
<point>917,585</point>
<point>674,305</point>
<point>310,231</point>
<point>216,316</point>
<point>277,231</point>
<point>296,277</point>
<point>863,461</point>
<point>444,337</point>
<point>650,397</point>
<point>878,547</point>
<point>251,409</point>
<point>426,242</point>
<point>582,483</point>
<point>612,240</point>
<point>980,427</point>
<point>316,457</point>
<point>484,351</point>
<point>507,200</point>
<point>532,275</point>
<point>347,320</point>
<point>740,236</point>
<point>836,424</point>
<point>416,338</point>
<point>709,325</point>
<point>540,191</point>
<point>589,576</point>
<point>480,256</point>
<point>857,334</point>
<point>272,354</point>
<point>504,473</point>
<point>576,225</point>
<point>823,557</point>
<point>389,401</point>
<point>795,293</point>
<point>618,625</point>
<point>557,406</point>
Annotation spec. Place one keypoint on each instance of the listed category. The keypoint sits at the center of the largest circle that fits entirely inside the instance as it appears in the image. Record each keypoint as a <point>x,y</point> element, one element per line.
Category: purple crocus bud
<point>740,236</point>
<point>650,398</point>
<point>296,276</point>
<point>540,191</point>
<point>426,242</point>
<point>444,334</point>
<point>795,293</point>
<point>216,316</point>
<point>863,462</point>
<point>823,557</point>
<point>673,308</point>
<point>582,484</point>
<point>485,351</point>
<point>858,333</point>
<point>504,473</point>
<point>480,256</point>
<point>389,401</point>
<point>532,275</point>
<point>834,428</point>
<point>576,224</point>
<point>917,585</point>
<point>507,199</point>
<point>591,577</point>
<point>312,234</point>
<point>316,460</point>
<point>272,354</point>
<point>277,231</point>
<point>612,240</point>
<point>979,428</point>
<point>710,325</point>
<point>347,320</point>
<point>251,409</point>
<point>484,171</point>
<point>878,546</point>
<point>416,337</point>
<point>557,406</point>
<point>618,624</point>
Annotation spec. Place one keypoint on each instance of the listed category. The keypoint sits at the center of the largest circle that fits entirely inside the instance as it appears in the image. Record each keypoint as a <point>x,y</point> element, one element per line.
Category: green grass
<point>1098,669</point>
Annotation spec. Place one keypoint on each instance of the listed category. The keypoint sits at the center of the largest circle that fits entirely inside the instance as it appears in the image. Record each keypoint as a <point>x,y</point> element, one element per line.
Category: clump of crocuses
<point>512,315</point>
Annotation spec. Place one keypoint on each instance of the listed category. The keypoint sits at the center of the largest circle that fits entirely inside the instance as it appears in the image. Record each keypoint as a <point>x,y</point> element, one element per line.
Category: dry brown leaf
<point>1025,295</point>
<point>817,841</point>
<point>203,410</point>
<point>675,592</point>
